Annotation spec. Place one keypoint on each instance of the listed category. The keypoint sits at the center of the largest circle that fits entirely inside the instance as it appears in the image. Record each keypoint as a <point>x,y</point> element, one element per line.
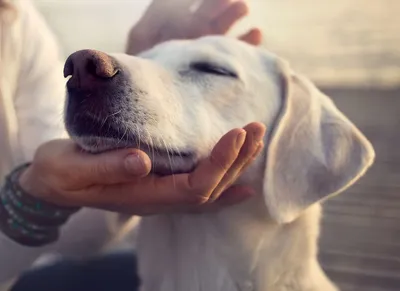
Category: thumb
<point>115,167</point>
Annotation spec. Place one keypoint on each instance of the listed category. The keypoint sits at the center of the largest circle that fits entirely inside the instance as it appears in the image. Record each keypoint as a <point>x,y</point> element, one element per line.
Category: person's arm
<point>39,104</point>
<point>30,227</point>
<point>40,94</point>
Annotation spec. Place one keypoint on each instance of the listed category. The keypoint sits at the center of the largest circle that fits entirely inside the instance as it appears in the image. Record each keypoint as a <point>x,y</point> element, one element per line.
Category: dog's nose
<point>89,67</point>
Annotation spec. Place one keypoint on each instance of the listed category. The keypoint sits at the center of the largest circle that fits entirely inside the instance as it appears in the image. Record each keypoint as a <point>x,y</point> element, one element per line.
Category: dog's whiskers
<point>139,138</point>
<point>108,116</point>
<point>151,149</point>
<point>122,137</point>
<point>169,159</point>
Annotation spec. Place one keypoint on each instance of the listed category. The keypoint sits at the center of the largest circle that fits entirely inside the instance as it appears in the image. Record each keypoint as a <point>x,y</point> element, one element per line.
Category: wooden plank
<point>360,240</point>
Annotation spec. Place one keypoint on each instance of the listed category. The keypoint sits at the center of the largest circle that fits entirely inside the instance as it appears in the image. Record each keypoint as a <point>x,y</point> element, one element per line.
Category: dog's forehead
<point>211,48</point>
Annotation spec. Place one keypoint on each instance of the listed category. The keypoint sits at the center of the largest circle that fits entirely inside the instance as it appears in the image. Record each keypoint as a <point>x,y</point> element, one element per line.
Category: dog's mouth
<point>96,136</point>
<point>103,113</point>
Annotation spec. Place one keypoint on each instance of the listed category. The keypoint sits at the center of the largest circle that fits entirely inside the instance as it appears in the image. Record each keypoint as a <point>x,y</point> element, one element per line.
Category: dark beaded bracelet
<point>26,219</point>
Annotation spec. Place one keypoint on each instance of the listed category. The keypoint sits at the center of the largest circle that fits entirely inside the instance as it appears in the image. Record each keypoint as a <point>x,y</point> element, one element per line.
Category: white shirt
<point>31,86</point>
<point>32,93</point>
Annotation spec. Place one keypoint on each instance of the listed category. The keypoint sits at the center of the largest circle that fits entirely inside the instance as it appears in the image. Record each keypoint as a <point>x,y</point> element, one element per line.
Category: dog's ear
<point>314,150</point>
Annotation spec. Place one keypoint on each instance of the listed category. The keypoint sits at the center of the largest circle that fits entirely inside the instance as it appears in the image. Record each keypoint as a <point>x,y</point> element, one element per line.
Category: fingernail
<point>134,164</point>
<point>259,136</point>
<point>240,139</point>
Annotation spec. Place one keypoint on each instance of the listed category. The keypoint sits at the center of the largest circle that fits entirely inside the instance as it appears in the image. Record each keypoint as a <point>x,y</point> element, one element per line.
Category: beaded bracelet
<point>26,219</point>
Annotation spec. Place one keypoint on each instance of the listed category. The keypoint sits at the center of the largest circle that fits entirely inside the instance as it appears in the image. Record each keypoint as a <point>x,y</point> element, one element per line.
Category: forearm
<point>27,220</point>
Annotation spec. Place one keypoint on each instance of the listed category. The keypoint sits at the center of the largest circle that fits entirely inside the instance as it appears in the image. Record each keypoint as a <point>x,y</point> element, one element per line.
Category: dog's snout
<point>89,67</point>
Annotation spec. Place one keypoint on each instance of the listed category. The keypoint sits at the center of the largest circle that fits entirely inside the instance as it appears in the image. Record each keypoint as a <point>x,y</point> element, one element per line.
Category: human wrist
<point>31,184</point>
<point>26,219</point>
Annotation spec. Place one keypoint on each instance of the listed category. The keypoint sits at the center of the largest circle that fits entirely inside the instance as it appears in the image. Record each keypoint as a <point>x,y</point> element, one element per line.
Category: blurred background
<point>351,50</point>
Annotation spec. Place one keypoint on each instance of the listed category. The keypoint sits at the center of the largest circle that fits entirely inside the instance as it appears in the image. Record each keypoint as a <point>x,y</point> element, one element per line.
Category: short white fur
<point>268,243</point>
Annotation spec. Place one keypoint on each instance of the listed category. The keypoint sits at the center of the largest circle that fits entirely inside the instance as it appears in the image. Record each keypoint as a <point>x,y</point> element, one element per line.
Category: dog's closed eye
<point>209,68</point>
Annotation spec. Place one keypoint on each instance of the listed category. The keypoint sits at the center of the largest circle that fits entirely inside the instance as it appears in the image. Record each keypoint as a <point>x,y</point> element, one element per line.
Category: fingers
<point>233,195</point>
<point>211,171</point>
<point>255,155</point>
<point>110,167</point>
<point>197,186</point>
<point>209,9</point>
<point>224,21</point>
<point>253,37</point>
<point>251,148</point>
<point>232,153</point>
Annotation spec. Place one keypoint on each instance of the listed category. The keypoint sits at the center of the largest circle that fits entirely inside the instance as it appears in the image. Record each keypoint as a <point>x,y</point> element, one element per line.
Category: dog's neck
<point>238,248</point>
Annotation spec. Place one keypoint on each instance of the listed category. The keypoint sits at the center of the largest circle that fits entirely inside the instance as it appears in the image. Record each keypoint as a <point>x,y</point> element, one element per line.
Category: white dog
<point>179,98</point>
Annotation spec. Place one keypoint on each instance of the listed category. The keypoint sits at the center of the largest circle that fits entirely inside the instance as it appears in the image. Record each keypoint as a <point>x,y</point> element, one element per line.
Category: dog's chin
<point>164,162</point>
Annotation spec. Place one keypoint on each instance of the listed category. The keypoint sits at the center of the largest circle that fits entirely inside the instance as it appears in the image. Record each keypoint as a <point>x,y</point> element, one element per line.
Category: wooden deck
<point>360,244</point>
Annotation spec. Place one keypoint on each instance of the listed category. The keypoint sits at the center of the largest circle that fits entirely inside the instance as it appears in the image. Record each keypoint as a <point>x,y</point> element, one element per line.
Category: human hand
<point>175,19</point>
<point>64,175</point>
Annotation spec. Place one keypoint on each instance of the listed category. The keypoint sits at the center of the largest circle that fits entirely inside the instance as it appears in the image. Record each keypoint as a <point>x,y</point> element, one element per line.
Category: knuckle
<point>100,169</point>
<point>68,180</point>
<point>42,161</point>
<point>48,170</point>
<point>222,165</point>
<point>247,151</point>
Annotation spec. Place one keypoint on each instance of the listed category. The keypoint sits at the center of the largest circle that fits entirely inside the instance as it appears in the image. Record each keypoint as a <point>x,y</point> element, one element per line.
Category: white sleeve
<point>40,93</point>
<point>39,104</point>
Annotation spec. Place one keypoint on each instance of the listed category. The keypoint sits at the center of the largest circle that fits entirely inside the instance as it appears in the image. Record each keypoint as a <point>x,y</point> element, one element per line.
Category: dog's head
<point>179,98</point>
